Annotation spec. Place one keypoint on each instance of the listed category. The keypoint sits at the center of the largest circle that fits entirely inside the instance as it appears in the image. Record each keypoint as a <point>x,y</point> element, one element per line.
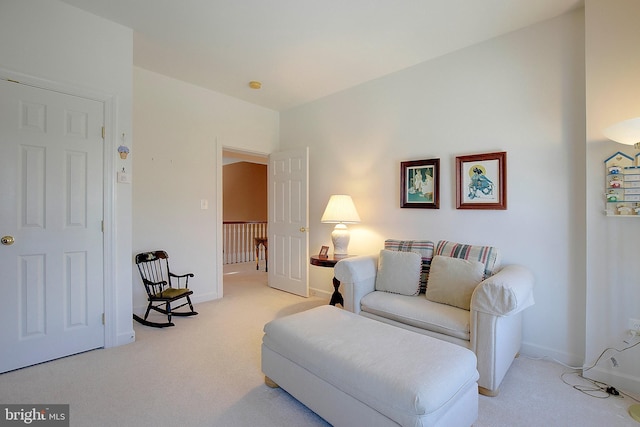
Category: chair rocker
<point>159,282</point>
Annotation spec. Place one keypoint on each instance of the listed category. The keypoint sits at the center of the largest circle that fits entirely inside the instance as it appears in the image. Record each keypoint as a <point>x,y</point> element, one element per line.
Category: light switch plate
<point>124,178</point>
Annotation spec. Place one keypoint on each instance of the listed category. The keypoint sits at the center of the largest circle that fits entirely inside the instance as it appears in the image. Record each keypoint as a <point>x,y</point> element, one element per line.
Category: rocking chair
<point>158,281</point>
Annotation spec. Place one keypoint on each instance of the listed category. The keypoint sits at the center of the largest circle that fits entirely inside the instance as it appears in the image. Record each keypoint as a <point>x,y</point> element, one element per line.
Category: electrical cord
<point>552,359</point>
<point>597,389</point>
<point>607,349</point>
<point>629,396</point>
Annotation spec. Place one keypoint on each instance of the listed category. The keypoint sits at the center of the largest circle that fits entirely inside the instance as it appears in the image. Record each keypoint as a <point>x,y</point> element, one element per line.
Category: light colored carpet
<point>205,371</point>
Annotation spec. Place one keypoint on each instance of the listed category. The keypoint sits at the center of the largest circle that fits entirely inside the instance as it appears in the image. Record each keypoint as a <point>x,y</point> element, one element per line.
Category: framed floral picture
<point>481,181</point>
<point>420,184</point>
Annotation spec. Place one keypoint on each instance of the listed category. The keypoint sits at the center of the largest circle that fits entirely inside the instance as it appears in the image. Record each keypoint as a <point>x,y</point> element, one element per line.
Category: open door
<point>288,183</point>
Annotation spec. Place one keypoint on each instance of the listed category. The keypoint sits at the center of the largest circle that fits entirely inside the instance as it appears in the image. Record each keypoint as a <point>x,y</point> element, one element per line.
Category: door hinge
<point>103,318</point>
<point>102,226</point>
<point>102,132</point>
<point>13,81</point>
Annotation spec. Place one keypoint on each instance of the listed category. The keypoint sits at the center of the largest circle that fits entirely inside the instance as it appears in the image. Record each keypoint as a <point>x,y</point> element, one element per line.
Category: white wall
<point>613,282</point>
<point>522,93</point>
<point>52,44</point>
<point>177,126</point>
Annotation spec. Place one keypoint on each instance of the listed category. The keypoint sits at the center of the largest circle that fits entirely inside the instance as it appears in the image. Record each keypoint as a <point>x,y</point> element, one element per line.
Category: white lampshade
<point>340,210</point>
<point>624,132</point>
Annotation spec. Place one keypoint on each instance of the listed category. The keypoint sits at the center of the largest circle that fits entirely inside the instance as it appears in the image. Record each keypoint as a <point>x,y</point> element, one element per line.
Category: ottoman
<point>355,371</point>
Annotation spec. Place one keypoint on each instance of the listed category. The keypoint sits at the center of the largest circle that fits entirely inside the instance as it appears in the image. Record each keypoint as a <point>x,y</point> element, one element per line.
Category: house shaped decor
<point>622,185</point>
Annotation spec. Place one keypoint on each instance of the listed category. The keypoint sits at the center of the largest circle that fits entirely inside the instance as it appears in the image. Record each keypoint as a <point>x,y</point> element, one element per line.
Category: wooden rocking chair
<point>159,283</point>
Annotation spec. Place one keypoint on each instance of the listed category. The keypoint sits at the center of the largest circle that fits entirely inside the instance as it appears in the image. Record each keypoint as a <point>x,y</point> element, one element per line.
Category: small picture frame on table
<point>481,181</point>
<point>420,184</point>
<point>324,252</point>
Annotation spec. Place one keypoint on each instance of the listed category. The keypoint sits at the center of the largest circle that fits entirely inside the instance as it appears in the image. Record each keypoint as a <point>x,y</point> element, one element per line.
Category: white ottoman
<point>354,371</point>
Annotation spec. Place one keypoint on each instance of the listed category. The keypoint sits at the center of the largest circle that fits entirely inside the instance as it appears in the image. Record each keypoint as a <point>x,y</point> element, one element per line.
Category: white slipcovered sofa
<point>451,291</point>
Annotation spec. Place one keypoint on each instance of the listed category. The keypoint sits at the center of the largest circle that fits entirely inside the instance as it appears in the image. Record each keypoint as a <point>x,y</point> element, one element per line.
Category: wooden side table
<point>331,261</point>
<point>262,241</point>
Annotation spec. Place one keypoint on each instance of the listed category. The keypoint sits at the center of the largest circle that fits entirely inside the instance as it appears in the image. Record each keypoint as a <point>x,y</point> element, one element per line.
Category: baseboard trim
<point>627,383</point>
<point>125,338</point>
<point>320,293</point>
<point>210,296</point>
<point>537,351</point>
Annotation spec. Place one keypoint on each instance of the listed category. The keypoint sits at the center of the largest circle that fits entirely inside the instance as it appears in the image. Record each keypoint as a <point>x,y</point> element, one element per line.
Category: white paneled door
<point>288,221</point>
<point>51,208</point>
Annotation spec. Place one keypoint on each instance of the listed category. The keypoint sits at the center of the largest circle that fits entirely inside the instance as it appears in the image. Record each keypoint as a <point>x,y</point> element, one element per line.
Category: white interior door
<point>51,172</point>
<point>288,221</point>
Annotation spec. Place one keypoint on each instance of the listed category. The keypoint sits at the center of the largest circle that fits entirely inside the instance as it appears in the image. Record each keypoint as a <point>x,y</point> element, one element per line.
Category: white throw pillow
<point>399,272</point>
<point>453,280</point>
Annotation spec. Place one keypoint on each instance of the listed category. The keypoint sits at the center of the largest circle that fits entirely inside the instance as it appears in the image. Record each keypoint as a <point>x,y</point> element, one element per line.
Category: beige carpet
<point>205,371</point>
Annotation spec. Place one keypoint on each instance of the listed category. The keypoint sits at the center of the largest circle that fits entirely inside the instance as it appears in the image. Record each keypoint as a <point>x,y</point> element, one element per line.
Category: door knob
<point>303,229</point>
<point>7,240</point>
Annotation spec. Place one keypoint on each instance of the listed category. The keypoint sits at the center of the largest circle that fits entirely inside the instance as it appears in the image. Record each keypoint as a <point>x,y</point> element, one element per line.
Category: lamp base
<point>340,237</point>
<point>634,411</point>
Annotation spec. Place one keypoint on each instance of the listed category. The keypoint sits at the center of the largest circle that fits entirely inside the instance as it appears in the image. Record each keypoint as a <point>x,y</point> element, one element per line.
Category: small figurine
<point>615,183</point>
<point>124,151</point>
<point>624,210</point>
<point>615,170</point>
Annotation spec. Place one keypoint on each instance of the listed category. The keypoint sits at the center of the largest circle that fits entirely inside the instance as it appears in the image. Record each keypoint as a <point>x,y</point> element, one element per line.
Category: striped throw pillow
<point>487,255</point>
<point>422,247</point>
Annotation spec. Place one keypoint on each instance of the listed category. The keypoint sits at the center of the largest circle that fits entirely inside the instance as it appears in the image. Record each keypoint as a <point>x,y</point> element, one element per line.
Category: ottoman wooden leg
<point>270,383</point>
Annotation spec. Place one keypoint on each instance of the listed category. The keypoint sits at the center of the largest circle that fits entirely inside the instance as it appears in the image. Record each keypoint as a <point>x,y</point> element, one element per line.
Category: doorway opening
<point>244,217</point>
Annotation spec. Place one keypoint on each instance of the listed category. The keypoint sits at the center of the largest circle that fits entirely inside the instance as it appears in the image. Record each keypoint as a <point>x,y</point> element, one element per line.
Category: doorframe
<point>109,246</point>
<point>219,220</point>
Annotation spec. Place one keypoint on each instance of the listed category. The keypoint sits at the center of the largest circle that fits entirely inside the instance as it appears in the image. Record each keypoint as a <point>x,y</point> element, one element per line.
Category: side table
<point>331,261</point>
<point>264,242</point>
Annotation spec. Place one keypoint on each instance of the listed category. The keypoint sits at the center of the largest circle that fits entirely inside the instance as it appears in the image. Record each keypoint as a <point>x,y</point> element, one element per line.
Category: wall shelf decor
<point>622,185</point>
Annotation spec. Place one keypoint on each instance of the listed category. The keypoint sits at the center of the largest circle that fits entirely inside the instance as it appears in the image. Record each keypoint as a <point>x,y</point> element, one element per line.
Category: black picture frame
<point>420,184</point>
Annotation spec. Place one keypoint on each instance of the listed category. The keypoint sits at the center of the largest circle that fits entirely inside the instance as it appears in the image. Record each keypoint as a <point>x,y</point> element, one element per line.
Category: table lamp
<point>340,211</point>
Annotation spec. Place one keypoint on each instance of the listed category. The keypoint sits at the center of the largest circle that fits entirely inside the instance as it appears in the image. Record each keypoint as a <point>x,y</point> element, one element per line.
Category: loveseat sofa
<point>451,291</point>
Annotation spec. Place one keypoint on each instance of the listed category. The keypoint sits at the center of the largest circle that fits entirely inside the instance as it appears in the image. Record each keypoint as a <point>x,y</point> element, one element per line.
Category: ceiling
<point>302,50</point>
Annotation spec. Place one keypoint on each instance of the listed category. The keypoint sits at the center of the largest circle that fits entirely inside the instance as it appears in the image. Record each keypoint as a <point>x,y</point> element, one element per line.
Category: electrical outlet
<point>634,325</point>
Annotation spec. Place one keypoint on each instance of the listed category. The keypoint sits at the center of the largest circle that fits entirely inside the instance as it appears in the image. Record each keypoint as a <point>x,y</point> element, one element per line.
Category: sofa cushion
<point>398,272</point>
<point>452,281</point>
<point>419,312</point>
<point>488,255</point>
<point>423,247</point>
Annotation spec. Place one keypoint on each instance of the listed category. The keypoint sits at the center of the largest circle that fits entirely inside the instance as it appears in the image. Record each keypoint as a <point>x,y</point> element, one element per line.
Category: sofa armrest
<point>507,292</point>
<point>357,275</point>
